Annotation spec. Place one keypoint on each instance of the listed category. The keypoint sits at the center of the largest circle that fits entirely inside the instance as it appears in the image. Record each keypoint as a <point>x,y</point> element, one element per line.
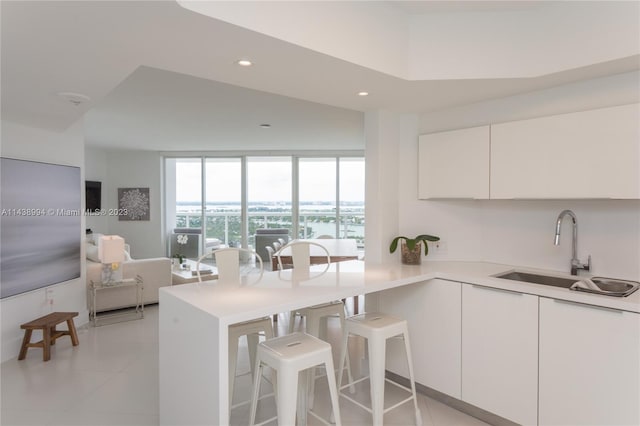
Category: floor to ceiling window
<point>223,201</point>
<point>317,197</point>
<point>351,201</point>
<point>206,195</point>
<point>269,193</point>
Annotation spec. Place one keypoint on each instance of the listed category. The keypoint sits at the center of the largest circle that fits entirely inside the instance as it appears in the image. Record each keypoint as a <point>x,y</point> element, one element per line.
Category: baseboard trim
<point>452,402</point>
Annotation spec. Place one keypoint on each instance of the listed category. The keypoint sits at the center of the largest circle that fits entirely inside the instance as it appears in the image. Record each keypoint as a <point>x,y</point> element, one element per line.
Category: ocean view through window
<point>205,195</point>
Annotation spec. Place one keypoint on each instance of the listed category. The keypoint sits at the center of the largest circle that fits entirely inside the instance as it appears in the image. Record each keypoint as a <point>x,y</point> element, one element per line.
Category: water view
<point>222,219</point>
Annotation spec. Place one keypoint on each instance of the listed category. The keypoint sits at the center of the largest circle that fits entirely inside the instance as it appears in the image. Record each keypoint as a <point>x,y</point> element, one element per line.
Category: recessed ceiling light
<point>73,98</point>
<point>265,125</point>
<point>244,62</point>
<point>363,93</point>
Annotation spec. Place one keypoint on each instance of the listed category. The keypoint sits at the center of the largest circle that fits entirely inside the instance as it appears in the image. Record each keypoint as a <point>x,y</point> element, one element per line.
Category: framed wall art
<point>133,204</point>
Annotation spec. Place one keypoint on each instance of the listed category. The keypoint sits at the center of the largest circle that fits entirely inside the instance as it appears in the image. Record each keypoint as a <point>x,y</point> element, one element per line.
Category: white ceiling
<point>163,78</point>
<point>444,6</point>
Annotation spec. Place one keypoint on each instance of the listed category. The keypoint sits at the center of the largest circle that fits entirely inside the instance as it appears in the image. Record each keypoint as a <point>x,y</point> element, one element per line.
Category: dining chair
<point>271,252</point>
<point>232,264</point>
<point>301,253</point>
<point>277,245</point>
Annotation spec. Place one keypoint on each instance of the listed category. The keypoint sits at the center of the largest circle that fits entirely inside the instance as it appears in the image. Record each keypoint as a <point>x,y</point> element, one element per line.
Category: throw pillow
<point>92,252</point>
<point>96,238</point>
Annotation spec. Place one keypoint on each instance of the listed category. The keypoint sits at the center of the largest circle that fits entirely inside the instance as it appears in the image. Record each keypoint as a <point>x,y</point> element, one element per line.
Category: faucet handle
<point>587,266</point>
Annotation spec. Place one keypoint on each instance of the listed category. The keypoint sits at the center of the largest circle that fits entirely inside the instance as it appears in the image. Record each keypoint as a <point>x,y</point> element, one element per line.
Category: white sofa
<point>155,273</point>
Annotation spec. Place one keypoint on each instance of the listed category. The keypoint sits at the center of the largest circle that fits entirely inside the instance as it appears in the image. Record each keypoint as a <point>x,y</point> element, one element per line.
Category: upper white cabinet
<point>589,365</point>
<point>454,164</point>
<point>500,352</point>
<point>589,154</point>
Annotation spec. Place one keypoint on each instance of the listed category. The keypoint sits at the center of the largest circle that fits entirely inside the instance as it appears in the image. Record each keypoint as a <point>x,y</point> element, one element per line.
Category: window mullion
<point>295,197</point>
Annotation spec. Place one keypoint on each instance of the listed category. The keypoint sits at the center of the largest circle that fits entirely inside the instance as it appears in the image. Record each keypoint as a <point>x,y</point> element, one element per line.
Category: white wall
<point>382,129</point>
<point>136,169</point>
<point>521,232</point>
<point>65,148</point>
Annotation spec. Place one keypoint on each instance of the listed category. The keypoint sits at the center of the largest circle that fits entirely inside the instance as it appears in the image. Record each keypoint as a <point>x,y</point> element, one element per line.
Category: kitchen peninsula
<point>194,319</point>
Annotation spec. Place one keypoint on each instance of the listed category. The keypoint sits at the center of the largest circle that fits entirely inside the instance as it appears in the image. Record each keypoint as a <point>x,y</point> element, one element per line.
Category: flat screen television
<point>40,225</point>
<point>92,195</point>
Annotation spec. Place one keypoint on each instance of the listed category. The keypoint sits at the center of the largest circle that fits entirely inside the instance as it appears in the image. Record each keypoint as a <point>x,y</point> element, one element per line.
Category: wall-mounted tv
<point>92,195</point>
<point>40,226</point>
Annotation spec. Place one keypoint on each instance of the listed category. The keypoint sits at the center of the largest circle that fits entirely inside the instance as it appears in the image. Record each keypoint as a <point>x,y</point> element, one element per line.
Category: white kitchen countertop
<point>282,291</point>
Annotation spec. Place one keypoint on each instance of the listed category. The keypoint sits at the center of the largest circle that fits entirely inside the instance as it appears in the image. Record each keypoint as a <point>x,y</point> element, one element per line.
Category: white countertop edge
<point>477,273</point>
<point>630,303</point>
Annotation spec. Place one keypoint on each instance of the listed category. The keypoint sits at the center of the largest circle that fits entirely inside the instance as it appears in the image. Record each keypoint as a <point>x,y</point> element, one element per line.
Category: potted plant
<point>411,248</point>
<point>182,239</point>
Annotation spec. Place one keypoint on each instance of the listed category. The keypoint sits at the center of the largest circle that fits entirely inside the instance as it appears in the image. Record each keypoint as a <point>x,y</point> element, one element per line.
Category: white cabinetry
<point>589,365</point>
<point>589,154</point>
<point>454,164</point>
<point>500,352</point>
<point>432,309</point>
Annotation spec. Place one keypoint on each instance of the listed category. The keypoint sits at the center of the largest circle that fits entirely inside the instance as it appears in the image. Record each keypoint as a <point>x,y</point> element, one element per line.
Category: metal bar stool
<point>288,356</point>
<point>229,265</point>
<point>317,327</point>
<point>252,330</point>
<point>377,328</point>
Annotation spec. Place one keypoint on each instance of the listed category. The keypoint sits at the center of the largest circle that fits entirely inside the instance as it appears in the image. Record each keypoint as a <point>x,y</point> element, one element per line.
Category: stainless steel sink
<point>597,285</point>
<point>537,279</point>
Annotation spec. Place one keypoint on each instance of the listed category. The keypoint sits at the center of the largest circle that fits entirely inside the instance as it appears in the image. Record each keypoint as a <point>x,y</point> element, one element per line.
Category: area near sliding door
<point>223,200</point>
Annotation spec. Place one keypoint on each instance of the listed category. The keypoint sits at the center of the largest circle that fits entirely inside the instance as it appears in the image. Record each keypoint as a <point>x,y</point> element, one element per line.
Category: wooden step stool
<point>48,325</point>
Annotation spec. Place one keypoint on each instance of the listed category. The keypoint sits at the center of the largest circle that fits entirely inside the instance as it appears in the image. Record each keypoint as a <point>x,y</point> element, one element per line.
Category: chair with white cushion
<point>230,263</point>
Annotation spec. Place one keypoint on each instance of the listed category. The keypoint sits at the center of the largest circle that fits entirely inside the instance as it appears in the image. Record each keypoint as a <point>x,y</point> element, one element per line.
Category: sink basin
<point>537,279</point>
<point>598,285</point>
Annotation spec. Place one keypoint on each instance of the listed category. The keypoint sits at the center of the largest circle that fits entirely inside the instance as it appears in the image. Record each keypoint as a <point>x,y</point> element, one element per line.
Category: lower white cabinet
<point>500,352</point>
<point>589,365</point>
<point>432,309</point>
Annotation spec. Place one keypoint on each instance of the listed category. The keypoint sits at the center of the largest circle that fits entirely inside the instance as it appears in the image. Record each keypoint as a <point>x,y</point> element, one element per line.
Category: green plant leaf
<point>424,238</point>
<point>394,244</point>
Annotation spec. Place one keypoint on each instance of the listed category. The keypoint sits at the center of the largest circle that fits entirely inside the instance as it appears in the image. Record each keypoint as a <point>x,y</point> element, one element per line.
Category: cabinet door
<point>432,309</point>
<point>454,164</point>
<point>589,365</point>
<point>500,352</point>
<point>589,154</point>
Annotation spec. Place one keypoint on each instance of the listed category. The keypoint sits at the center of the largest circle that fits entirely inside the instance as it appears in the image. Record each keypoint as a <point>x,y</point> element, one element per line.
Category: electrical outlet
<point>439,247</point>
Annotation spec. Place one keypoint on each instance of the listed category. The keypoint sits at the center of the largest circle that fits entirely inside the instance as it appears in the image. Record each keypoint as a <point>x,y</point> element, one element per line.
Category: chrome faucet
<point>575,263</point>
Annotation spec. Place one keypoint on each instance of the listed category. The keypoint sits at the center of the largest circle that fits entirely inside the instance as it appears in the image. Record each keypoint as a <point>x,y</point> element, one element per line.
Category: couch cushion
<point>95,238</point>
<point>92,252</point>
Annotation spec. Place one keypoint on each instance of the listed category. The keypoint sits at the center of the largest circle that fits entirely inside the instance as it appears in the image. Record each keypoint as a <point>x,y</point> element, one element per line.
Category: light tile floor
<point>111,378</point>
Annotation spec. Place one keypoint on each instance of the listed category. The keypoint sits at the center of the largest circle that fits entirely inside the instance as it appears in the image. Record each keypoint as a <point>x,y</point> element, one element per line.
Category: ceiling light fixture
<point>244,62</point>
<point>265,126</point>
<point>73,98</point>
<point>363,93</point>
